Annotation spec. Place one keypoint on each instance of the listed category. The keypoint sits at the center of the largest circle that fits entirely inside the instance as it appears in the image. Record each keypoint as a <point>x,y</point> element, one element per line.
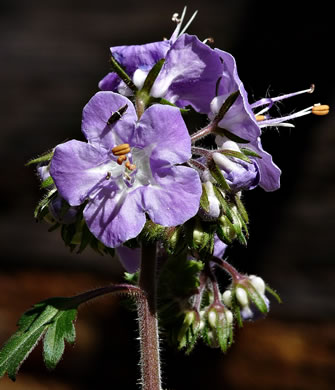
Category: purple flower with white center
<point>127,169</point>
<point>240,120</point>
<point>188,76</point>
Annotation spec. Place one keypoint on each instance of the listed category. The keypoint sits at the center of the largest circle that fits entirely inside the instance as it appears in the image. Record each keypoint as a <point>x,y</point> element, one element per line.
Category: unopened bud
<point>258,283</point>
<point>227,298</point>
<point>229,316</point>
<point>212,318</point>
<point>241,296</point>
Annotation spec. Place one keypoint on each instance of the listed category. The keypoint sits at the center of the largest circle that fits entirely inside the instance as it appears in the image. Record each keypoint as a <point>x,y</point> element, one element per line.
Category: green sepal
<point>241,209</point>
<point>152,76</point>
<point>236,310</point>
<point>188,332</point>
<point>45,157</point>
<point>165,102</point>
<point>42,208</point>
<point>204,202</point>
<point>273,293</point>
<point>225,230</point>
<point>152,232</point>
<point>256,298</point>
<point>224,332</point>
<point>249,152</point>
<point>32,325</point>
<point>174,240</point>
<point>224,204</point>
<point>118,69</point>
<point>235,154</point>
<point>218,176</point>
<point>47,182</point>
<point>226,105</point>
<point>230,135</point>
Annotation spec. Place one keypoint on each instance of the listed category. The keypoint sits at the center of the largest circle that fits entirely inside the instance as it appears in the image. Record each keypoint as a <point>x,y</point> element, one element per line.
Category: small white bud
<point>229,316</point>
<point>214,204</point>
<point>212,318</point>
<point>227,297</point>
<point>258,283</point>
<point>201,325</point>
<point>241,296</point>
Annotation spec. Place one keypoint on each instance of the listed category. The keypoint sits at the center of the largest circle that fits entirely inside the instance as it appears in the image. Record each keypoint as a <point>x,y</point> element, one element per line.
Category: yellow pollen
<point>319,109</point>
<point>260,118</point>
<point>121,149</point>
<point>130,166</point>
<point>121,159</point>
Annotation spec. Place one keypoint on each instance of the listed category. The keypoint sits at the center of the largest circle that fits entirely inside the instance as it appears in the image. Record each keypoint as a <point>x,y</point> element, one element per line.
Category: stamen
<point>108,176</point>
<point>320,109</point>
<point>175,18</point>
<point>209,40</point>
<point>121,159</point>
<point>130,166</point>
<point>121,149</point>
<point>270,101</point>
<point>260,118</point>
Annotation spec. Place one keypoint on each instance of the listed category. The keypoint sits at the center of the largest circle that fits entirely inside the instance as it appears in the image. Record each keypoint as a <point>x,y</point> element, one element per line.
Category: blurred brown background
<point>53,53</point>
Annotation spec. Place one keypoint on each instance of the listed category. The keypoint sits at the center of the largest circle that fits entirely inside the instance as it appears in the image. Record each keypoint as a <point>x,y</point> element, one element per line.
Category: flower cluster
<point>143,176</point>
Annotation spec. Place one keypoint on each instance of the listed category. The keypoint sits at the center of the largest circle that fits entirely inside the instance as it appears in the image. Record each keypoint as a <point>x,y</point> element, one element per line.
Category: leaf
<point>19,346</point>
<point>61,329</point>
<point>53,316</point>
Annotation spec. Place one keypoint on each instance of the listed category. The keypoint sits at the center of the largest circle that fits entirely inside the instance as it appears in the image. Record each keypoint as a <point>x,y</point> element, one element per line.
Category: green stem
<point>147,318</point>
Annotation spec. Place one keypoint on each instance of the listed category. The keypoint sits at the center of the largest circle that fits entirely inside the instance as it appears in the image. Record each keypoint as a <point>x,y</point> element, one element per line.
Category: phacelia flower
<point>241,121</point>
<point>128,169</point>
<point>188,76</point>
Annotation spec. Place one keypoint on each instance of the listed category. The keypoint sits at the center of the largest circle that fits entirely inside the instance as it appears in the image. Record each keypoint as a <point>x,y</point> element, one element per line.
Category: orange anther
<point>121,159</point>
<point>121,149</point>
<point>260,118</point>
<point>130,166</point>
<point>319,109</point>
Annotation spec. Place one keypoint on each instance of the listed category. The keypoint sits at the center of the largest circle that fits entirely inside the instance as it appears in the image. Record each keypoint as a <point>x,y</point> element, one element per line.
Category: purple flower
<point>188,76</point>
<point>240,175</point>
<point>127,169</point>
<point>241,121</point>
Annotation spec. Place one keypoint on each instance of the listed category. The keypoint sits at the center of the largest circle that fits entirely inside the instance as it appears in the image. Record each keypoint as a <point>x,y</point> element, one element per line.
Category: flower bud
<point>227,298</point>
<point>241,296</point>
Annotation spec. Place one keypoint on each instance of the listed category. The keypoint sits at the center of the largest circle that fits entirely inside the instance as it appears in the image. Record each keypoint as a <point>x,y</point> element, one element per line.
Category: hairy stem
<point>147,318</point>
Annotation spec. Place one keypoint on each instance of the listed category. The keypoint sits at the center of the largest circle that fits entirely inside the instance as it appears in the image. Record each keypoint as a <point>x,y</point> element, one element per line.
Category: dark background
<point>53,53</point>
